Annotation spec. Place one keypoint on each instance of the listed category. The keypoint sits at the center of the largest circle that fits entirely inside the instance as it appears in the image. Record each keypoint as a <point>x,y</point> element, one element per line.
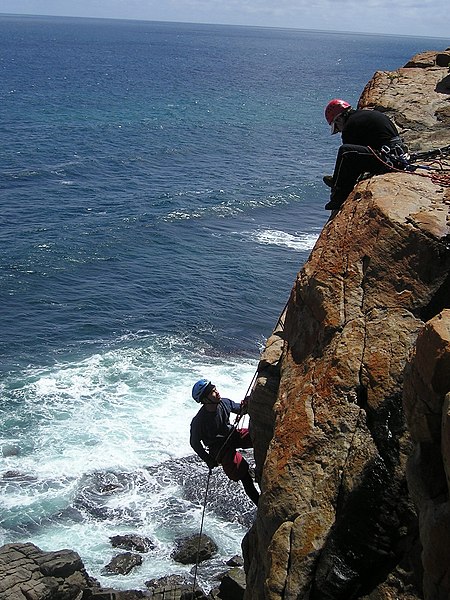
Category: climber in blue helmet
<point>215,440</point>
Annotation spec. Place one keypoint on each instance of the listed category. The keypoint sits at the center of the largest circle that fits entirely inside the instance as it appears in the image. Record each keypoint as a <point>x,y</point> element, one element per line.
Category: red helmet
<point>334,109</point>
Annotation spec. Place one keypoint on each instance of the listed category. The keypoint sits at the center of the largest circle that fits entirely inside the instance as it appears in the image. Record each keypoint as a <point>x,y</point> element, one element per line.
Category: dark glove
<point>211,462</point>
<point>244,404</point>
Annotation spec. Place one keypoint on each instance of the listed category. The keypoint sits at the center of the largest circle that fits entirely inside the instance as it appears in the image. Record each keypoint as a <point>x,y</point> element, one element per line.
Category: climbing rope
<point>280,322</point>
<point>250,388</point>
<point>437,171</point>
<point>438,165</point>
<point>200,534</point>
<point>427,154</point>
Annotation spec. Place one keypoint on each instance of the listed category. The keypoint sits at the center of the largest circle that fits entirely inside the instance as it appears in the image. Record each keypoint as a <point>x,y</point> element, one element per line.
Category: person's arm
<point>233,407</point>
<point>198,447</point>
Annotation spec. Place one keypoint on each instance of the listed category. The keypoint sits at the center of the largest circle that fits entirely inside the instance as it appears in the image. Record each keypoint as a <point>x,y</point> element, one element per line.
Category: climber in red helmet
<point>370,144</point>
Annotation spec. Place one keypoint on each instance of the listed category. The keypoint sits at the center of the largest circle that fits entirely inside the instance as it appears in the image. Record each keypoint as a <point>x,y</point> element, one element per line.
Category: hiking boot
<point>328,180</point>
<point>363,176</point>
<point>337,198</point>
<point>333,205</point>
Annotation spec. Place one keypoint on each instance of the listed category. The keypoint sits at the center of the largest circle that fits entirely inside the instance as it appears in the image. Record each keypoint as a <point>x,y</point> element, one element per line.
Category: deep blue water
<point>160,189</point>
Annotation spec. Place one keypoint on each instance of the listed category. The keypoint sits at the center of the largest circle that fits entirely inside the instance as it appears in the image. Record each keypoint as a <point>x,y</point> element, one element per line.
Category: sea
<point>161,186</point>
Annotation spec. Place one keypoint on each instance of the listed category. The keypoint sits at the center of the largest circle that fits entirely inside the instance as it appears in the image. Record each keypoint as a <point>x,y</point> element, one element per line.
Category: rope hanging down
<point>250,388</point>
<point>200,534</point>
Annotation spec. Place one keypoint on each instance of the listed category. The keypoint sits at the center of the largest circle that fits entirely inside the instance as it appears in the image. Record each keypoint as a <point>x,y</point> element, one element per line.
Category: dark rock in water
<point>187,549</point>
<point>122,564</point>
<point>225,498</point>
<point>132,541</point>
<point>235,561</point>
<point>95,491</point>
<point>232,586</point>
<point>19,477</point>
<point>66,515</point>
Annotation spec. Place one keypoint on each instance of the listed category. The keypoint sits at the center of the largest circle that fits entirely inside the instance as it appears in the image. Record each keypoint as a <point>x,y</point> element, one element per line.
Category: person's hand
<point>244,404</point>
<point>212,463</point>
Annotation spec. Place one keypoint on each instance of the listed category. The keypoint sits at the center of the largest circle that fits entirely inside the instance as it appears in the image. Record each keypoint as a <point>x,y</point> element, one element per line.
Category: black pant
<point>351,162</point>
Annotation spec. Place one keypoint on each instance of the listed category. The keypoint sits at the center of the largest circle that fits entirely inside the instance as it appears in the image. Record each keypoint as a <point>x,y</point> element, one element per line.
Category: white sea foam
<point>231,206</point>
<point>300,241</point>
<point>111,414</point>
<point>121,409</point>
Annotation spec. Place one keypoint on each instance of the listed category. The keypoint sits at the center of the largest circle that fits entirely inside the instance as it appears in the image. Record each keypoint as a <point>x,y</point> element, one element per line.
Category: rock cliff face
<point>339,518</point>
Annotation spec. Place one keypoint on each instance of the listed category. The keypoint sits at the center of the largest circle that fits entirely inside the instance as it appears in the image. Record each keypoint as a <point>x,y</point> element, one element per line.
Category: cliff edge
<point>350,417</point>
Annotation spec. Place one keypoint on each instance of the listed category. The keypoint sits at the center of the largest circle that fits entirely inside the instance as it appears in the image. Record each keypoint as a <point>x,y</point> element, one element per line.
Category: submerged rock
<point>193,548</point>
<point>122,564</point>
<point>132,541</point>
<point>225,498</point>
<point>10,450</point>
<point>17,476</point>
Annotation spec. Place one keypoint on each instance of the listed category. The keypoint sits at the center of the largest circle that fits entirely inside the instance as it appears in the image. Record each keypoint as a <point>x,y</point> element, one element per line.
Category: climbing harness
<point>396,155</point>
<point>398,159</point>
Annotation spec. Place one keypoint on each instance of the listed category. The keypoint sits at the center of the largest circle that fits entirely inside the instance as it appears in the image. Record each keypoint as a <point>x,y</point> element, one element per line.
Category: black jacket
<point>368,128</point>
<point>211,429</point>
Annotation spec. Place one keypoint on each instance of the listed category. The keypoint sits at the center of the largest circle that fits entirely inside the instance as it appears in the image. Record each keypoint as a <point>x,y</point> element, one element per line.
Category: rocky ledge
<point>350,412</point>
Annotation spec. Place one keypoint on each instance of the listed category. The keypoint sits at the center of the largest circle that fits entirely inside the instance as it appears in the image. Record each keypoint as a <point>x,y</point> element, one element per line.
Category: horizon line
<point>143,20</point>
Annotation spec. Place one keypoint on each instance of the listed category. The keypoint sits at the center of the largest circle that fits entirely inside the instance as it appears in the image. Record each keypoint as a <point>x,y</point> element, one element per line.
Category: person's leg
<point>243,439</point>
<point>237,469</point>
<point>250,488</point>
<point>351,162</point>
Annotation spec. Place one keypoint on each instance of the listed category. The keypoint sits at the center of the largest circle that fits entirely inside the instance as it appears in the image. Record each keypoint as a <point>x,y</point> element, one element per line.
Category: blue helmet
<point>201,389</point>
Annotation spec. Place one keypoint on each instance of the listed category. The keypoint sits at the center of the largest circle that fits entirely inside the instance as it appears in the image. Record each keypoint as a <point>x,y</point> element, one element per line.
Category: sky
<point>428,18</point>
